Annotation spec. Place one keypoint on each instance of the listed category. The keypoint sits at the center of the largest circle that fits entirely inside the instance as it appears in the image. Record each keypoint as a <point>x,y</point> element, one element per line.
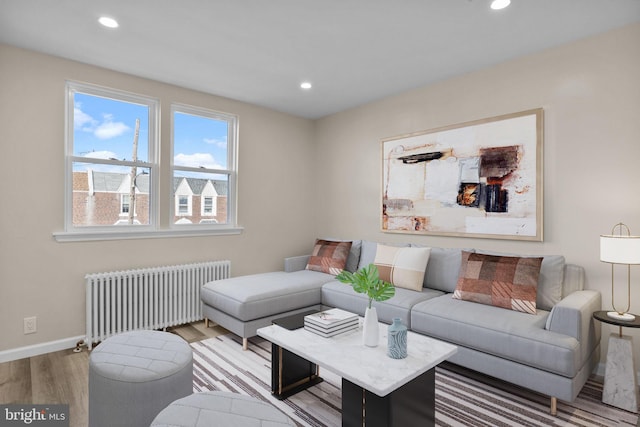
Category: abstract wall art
<point>476,179</point>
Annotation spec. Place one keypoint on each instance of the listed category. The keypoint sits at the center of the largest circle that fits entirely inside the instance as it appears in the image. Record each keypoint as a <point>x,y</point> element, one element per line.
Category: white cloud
<point>106,130</point>
<point>80,118</point>
<point>217,142</point>
<point>109,129</point>
<point>196,160</point>
<point>101,155</point>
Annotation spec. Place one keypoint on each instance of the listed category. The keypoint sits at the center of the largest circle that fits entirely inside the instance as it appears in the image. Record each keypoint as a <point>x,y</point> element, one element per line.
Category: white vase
<point>370,329</point>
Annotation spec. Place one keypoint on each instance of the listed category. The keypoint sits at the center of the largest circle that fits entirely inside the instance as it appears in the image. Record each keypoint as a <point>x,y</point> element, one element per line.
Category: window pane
<point>194,193</point>
<point>125,203</point>
<point>183,205</point>
<point>105,128</point>
<point>101,193</point>
<point>199,142</point>
<point>207,209</point>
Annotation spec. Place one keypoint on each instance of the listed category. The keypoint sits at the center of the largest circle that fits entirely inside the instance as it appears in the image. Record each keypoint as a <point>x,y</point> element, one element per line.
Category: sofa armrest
<point>295,263</point>
<point>573,316</point>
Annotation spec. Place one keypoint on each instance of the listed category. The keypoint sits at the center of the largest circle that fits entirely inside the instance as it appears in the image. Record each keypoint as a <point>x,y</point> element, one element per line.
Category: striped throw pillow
<point>501,281</point>
<point>329,256</point>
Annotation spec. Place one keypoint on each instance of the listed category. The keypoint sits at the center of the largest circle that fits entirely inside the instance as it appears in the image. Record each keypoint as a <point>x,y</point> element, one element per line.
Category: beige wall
<point>43,278</point>
<point>590,92</point>
<point>301,178</point>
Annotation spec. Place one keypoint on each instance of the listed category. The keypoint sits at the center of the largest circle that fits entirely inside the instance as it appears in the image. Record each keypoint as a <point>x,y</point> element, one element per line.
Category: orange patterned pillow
<point>329,256</point>
<point>501,281</point>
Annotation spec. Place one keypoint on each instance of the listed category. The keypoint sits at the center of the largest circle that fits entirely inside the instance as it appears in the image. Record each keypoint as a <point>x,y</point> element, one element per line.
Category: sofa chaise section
<point>246,303</point>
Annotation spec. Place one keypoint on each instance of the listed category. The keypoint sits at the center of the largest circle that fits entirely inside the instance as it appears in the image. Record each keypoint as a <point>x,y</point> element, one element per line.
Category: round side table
<point>620,381</point>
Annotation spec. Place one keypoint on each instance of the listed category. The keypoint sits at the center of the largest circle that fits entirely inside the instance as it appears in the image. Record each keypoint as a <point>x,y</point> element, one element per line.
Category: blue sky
<point>199,141</point>
<point>104,128</point>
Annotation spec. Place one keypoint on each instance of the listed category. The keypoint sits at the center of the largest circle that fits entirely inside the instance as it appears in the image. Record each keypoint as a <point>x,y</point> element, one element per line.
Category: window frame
<point>231,172</point>
<point>152,164</point>
<point>160,222</point>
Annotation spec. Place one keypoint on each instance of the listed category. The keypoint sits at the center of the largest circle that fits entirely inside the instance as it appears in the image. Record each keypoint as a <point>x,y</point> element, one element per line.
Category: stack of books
<point>331,322</point>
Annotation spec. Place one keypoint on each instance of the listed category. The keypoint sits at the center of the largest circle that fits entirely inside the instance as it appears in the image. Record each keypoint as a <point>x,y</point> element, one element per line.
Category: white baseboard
<point>38,349</point>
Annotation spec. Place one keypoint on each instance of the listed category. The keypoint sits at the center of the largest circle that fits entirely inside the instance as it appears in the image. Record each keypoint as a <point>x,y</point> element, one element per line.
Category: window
<point>124,204</point>
<point>183,205</point>
<point>111,144</point>
<point>204,176</point>
<point>207,206</point>
<point>113,188</point>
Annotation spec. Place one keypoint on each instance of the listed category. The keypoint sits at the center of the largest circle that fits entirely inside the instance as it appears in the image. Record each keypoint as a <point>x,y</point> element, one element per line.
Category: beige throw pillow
<point>404,267</point>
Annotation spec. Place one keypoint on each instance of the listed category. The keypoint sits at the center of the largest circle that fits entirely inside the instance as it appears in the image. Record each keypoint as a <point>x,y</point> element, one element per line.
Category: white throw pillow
<point>404,267</point>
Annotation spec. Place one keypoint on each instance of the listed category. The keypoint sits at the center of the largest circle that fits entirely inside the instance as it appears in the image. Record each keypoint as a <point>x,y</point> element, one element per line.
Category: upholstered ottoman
<point>217,408</point>
<point>134,375</point>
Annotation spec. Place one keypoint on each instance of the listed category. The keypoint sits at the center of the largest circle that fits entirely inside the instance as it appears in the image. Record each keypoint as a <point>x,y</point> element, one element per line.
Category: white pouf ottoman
<point>218,408</point>
<point>134,375</point>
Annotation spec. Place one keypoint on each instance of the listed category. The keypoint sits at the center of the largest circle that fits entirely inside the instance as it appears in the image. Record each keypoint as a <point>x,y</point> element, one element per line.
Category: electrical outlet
<point>30,325</point>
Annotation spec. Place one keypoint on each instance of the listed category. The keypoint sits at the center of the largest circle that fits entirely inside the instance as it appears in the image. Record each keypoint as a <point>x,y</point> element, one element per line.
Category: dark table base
<point>291,373</point>
<point>410,405</point>
<point>413,404</point>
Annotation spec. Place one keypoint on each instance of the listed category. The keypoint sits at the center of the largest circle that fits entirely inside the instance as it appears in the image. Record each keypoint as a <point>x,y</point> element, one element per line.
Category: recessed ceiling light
<point>108,22</point>
<point>305,85</point>
<point>500,4</point>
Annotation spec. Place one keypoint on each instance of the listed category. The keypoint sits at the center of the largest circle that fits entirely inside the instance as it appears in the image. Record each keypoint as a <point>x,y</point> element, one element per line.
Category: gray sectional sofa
<point>552,352</point>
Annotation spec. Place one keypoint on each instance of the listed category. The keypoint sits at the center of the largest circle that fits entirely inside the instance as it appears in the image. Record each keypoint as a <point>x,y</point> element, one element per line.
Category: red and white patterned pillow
<point>329,256</point>
<point>501,281</point>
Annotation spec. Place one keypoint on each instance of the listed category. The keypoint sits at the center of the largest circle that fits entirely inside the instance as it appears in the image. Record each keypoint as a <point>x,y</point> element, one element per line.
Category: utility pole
<point>134,171</point>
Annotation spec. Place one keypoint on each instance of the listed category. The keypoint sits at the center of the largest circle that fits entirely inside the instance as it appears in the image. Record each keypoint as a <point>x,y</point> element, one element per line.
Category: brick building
<point>103,198</point>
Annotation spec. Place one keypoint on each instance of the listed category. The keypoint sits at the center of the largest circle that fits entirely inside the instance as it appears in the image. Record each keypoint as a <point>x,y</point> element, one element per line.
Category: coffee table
<point>376,389</point>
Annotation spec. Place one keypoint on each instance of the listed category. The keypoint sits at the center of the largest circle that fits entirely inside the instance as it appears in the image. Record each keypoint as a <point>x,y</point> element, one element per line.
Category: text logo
<point>34,415</point>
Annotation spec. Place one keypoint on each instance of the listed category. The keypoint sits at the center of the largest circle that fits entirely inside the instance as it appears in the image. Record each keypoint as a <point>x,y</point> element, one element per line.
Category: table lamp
<point>625,250</point>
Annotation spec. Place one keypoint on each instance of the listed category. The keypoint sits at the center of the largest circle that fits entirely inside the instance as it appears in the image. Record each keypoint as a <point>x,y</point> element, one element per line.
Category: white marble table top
<point>368,367</point>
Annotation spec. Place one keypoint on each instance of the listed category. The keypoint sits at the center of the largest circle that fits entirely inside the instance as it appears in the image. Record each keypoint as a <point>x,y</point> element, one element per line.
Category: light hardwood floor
<point>63,376</point>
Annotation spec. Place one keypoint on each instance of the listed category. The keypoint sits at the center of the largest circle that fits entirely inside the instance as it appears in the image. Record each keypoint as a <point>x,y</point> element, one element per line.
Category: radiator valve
<point>79,346</point>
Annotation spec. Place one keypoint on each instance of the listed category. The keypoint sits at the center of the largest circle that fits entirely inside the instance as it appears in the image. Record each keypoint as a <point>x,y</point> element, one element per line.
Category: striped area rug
<point>463,398</point>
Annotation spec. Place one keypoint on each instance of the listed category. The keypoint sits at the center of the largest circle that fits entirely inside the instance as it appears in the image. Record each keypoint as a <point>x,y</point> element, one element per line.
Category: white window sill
<point>85,236</point>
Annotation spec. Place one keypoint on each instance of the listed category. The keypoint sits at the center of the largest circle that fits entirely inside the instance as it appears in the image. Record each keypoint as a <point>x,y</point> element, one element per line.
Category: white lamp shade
<point>620,249</point>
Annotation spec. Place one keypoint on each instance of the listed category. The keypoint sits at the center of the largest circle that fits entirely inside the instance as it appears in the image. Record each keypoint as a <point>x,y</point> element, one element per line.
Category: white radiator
<point>148,298</point>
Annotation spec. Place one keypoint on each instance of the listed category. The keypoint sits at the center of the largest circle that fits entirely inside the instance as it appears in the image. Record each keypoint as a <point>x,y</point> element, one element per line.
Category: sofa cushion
<point>550,282</point>
<point>443,268</point>
<point>259,295</point>
<point>329,256</point>
<point>340,295</point>
<point>369,249</point>
<point>403,267</point>
<point>507,282</point>
<point>354,256</point>
<point>512,335</point>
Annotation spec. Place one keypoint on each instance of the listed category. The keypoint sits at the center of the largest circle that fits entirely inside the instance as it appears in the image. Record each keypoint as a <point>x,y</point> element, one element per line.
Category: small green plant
<point>367,281</point>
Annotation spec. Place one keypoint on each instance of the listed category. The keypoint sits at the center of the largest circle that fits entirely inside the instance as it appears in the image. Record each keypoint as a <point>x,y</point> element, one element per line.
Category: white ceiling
<point>259,51</point>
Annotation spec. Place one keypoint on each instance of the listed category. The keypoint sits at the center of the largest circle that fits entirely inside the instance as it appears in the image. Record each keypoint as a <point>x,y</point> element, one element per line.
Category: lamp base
<point>625,317</point>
